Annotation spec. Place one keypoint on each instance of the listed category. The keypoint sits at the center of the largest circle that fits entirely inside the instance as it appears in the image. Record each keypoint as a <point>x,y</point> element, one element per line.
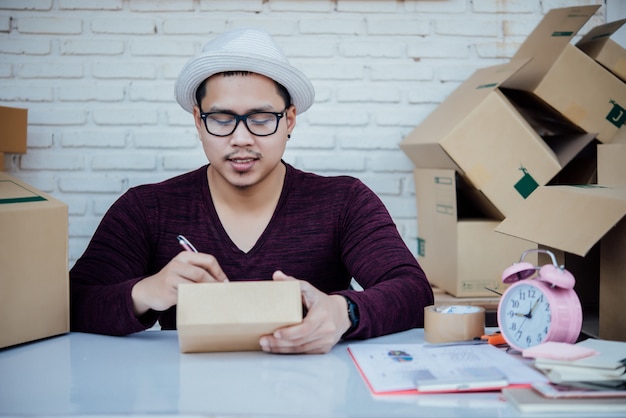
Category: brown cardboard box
<point>613,283</point>
<point>13,127</point>
<point>566,78</point>
<point>34,287</point>
<point>233,316</point>
<point>598,45</point>
<point>457,245</point>
<point>620,137</point>
<point>490,303</point>
<point>612,164</point>
<point>574,219</point>
<point>504,143</point>
<point>612,171</point>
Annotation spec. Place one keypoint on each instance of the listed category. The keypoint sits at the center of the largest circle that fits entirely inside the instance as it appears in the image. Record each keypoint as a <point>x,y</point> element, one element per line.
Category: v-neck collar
<point>219,227</point>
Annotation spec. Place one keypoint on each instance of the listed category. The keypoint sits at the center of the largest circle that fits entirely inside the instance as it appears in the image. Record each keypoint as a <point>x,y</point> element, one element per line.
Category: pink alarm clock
<point>534,310</point>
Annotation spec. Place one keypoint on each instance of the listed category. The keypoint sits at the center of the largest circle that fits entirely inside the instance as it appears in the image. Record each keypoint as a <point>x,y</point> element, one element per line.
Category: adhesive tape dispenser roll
<point>450,323</point>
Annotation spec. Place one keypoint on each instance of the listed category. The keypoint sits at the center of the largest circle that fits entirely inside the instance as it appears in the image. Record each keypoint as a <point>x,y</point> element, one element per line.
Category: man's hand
<point>326,321</point>
<point>160,291</point>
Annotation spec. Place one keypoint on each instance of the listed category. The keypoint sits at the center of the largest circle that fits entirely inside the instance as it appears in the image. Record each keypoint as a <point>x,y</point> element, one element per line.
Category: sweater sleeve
<point>396,289</point>
<point>102,279</point>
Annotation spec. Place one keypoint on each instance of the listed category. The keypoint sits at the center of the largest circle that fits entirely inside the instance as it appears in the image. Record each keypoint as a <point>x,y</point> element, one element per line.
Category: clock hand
<point>522,324</point>
<point>530,312</point>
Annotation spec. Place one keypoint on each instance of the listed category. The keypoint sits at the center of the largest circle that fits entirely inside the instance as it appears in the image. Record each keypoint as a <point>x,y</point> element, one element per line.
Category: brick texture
<point>98,79</point>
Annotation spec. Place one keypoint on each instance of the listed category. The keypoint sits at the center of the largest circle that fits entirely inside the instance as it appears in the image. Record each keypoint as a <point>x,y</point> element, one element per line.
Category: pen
<point>453,343</point>
<point>494,339</point>
<point>184,242</point>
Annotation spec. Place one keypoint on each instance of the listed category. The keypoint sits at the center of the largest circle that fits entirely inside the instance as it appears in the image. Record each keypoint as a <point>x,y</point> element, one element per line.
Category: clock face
<point>524,315</point>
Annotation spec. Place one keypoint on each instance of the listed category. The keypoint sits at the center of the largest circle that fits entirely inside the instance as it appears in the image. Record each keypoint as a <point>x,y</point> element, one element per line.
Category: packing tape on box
<point>451,323</point>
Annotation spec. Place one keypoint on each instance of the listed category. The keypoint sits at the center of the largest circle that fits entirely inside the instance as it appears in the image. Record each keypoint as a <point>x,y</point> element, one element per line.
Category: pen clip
<point>184,242</point>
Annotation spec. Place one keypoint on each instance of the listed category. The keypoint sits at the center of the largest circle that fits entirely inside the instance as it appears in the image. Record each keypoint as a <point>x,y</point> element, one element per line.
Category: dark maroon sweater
<point>325,230</point>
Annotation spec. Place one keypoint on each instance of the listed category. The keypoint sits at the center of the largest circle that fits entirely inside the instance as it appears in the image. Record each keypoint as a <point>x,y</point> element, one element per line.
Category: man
<point>251,216</point>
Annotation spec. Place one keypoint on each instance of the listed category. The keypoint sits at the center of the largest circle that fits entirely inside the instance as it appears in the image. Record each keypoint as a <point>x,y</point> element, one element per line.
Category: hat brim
<point>205,65</point>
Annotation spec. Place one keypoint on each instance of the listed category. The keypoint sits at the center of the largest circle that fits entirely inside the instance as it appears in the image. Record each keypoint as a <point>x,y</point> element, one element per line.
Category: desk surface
<point>145,374</point>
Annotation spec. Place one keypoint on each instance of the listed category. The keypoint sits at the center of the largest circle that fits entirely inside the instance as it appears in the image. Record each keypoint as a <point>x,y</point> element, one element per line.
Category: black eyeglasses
<point>257,123</point>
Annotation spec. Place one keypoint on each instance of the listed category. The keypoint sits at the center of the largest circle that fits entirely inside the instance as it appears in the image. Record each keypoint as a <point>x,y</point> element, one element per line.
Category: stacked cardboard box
<point>13,124</point>
<point>34,288</point>
<point>597,44</point>
<point>589,221</point>
<point>508,133</point>
<point>457,246</point>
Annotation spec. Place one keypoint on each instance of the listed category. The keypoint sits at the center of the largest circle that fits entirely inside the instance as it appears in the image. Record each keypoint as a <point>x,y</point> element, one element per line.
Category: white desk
<point>145,374</point>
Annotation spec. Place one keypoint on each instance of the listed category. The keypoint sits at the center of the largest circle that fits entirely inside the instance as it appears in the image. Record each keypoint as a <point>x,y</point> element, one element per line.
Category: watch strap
<point>353,314</point>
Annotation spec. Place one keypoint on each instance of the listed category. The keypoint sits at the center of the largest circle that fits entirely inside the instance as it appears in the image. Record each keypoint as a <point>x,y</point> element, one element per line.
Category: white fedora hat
<point>243,50</point>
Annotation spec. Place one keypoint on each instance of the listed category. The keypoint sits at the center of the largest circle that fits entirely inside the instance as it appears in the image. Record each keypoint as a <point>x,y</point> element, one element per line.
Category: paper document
<point>397,368</point>
<point>611,355</point>
<point>609,363</point>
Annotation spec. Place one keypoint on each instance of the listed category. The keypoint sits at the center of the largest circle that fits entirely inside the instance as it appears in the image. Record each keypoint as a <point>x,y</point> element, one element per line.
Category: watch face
<point>524,316</point>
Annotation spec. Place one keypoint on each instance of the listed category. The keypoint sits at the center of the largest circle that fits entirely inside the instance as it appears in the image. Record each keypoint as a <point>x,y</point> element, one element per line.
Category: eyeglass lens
<point>258,123</point>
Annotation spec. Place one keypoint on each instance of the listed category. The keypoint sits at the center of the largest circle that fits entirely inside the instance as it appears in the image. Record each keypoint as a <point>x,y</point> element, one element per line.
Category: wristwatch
<point>353,314</point>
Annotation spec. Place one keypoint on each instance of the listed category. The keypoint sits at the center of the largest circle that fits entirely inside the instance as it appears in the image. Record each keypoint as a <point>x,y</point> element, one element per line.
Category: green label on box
<point>526,185</point>
<point>421,251</point>
<point>563,33</point>
<point>11,192</point>
<point>617,115</point>
<point>22,200</point>
<point>590,186</point>
<point>443,180</point>
<point>600,36</point>
<point>445,209</point>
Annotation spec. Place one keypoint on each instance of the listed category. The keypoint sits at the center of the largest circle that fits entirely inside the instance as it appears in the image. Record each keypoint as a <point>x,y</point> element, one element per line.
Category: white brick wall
<point>98,76</point>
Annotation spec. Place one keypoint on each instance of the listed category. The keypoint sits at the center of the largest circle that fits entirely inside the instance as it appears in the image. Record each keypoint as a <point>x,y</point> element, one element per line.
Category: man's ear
<point>290,114</point>
<point>197,119</point>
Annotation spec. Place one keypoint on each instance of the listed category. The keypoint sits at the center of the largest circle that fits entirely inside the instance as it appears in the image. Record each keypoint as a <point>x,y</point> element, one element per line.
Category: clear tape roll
<point>452,323</point>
